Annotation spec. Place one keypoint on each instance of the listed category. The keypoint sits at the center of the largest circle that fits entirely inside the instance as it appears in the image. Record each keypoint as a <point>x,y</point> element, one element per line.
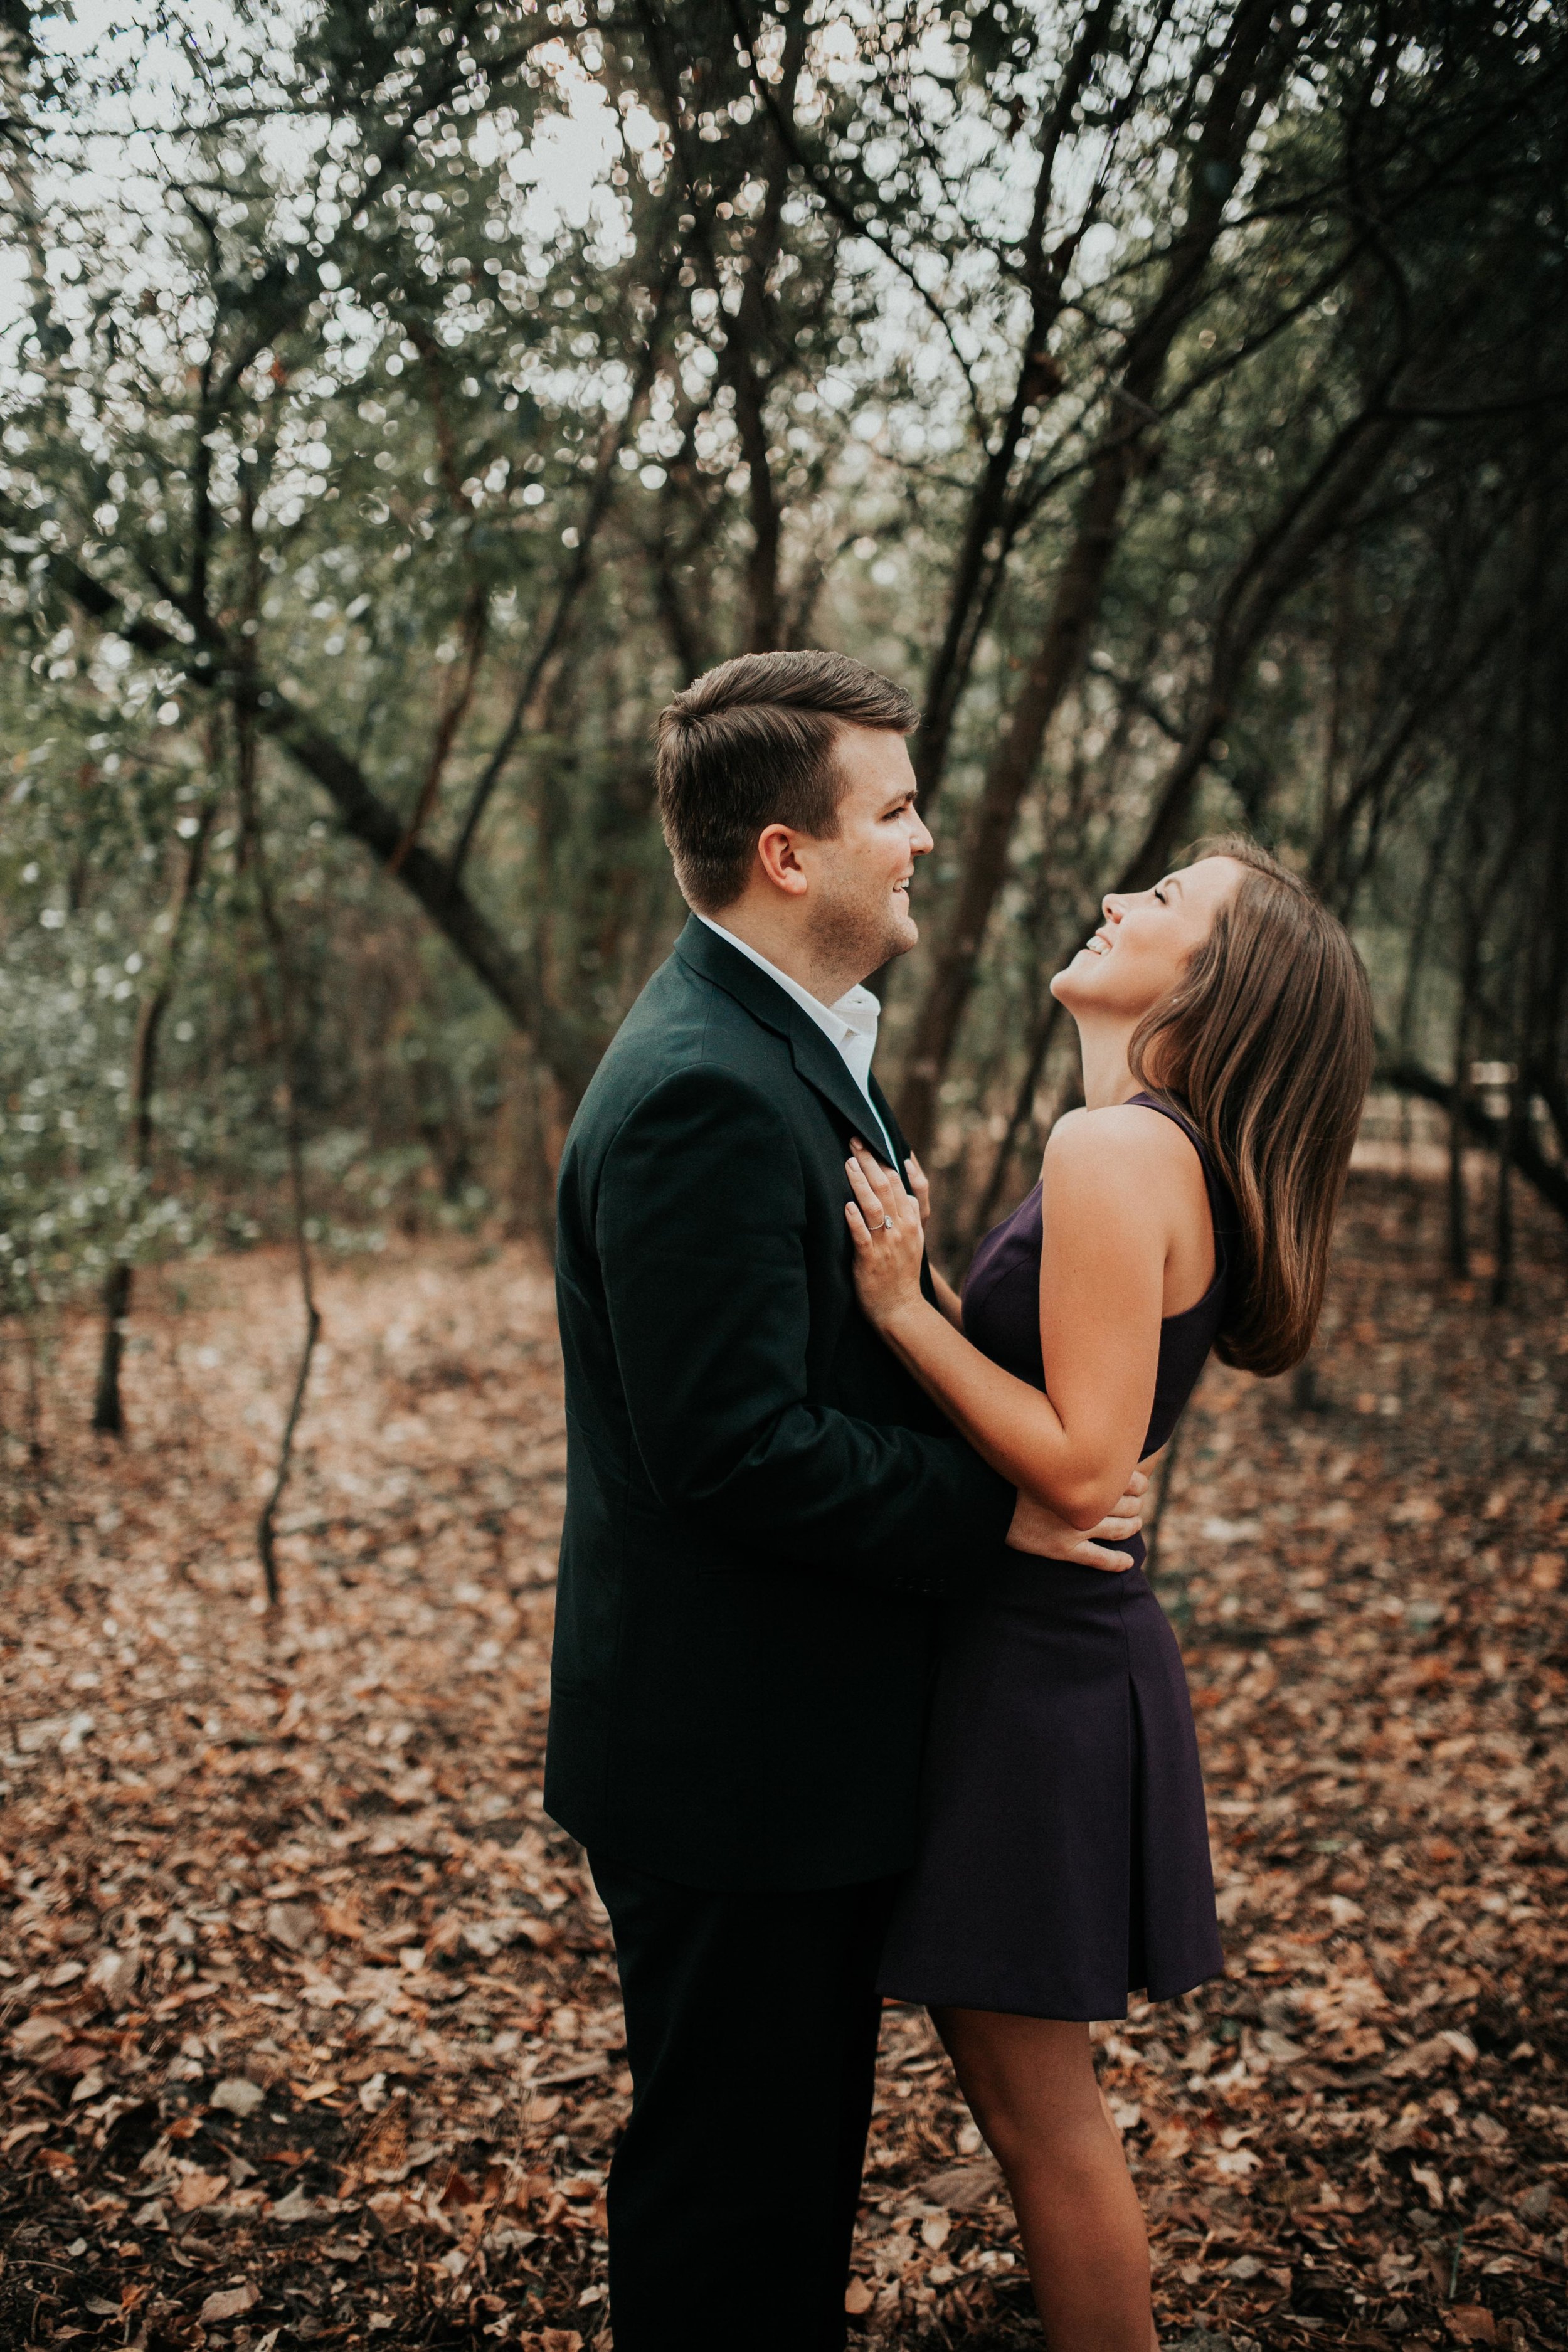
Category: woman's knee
<point>1032,2141</point>
<point>1029,2082</point>
<point>1037,2057</point>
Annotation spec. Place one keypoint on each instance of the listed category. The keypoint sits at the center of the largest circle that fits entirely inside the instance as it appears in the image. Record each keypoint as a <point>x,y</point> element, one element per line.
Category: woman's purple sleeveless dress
<point>1064,1859</point>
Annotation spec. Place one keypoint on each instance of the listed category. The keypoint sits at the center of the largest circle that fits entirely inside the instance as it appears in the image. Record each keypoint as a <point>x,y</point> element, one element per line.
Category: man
<point>763,1512</point>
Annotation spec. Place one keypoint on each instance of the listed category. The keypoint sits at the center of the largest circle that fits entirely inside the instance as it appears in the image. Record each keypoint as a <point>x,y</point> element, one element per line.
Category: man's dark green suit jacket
<point>762,1508</point>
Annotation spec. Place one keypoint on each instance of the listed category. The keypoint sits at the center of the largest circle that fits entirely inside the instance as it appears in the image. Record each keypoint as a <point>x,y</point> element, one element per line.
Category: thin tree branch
<point>250,820</point>
<point>1514,1141</point>
<point>108,1405</point>
<point>211,663</point>
<point>614,441</point>
<point>454,708</point>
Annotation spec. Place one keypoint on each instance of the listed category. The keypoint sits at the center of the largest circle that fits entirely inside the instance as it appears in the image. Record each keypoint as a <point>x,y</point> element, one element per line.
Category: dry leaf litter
<point>309,2015</point>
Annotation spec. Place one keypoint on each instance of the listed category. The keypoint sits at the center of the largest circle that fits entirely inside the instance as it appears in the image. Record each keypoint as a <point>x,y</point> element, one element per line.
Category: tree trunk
<point>979,563</point>
<point>529,1141</point>
<point>1458,1224</point>
<point>1273,566</point>
<point>1503,1268</point>
<point>1240,91</point>
<point>746,359</point>
<point>1545,1177</point>
<point>531,687</point>
<point>108,1405</point>
<point>216,665</point>
<point>108,1408</point>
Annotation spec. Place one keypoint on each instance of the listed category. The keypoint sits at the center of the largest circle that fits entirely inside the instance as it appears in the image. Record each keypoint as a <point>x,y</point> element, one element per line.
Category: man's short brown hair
<point>751,744</point>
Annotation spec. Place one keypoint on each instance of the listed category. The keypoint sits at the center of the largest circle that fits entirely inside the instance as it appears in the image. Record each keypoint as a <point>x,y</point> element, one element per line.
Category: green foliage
<point>433,391</point>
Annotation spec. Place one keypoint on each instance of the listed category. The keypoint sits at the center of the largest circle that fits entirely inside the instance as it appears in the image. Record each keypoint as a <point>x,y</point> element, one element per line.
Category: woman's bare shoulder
<point>1121,1139</point>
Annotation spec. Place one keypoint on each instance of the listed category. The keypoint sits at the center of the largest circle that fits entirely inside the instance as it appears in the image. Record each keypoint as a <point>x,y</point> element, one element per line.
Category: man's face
<point>858,904</point>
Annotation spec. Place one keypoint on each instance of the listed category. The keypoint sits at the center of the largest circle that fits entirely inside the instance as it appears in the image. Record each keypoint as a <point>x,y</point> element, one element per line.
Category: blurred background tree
<point>398,402</point>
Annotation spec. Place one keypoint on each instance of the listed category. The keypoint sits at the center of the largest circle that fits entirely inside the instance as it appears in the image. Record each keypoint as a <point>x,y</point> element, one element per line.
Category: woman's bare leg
<point>1031,2086</point>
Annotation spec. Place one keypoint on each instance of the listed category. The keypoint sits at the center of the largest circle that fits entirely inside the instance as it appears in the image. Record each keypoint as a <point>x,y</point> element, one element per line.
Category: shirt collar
<point>853,1018</point>
<point>849,1025</point>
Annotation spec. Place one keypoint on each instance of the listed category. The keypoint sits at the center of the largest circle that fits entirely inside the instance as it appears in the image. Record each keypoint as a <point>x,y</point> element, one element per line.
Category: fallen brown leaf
<point>195,2189</point>
<point>1380,1695</point>
<point>228,2302</point>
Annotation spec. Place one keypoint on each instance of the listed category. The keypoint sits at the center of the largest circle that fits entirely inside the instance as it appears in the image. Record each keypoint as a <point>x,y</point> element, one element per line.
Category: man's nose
<point>921,838</point>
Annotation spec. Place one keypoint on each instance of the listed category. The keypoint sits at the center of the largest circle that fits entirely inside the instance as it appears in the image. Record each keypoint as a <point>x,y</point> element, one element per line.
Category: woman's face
<point>1140,950</point>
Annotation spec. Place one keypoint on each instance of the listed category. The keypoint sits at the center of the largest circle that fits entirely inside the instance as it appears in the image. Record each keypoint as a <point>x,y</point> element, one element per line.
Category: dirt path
<point>310,2018</point>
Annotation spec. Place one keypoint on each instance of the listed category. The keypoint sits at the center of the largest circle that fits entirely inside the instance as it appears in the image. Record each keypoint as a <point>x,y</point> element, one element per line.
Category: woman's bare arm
<point>947,1298</point>
<point>1110,1183</point>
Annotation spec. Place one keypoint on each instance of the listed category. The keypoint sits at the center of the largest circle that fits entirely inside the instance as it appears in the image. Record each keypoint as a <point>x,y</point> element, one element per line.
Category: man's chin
<point>857,945</point>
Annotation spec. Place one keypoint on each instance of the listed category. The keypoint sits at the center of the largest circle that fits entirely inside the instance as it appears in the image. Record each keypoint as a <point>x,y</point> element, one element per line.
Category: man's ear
<point>776,852</point>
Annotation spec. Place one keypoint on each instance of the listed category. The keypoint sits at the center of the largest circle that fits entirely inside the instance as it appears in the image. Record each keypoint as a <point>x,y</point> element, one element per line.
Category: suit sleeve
<point>699,1226</point>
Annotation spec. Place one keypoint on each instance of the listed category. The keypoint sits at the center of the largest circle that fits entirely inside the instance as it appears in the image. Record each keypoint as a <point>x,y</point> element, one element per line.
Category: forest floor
<point>309,2015</point>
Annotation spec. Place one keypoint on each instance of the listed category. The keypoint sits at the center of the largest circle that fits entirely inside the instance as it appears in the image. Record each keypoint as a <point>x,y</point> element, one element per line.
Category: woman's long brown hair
<point>1267,1043</point>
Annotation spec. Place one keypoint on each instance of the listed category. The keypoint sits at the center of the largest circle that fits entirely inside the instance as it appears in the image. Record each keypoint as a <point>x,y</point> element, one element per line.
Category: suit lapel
<point>821,1065</point>
<point>816,1059</point>
<point>896,1134</point>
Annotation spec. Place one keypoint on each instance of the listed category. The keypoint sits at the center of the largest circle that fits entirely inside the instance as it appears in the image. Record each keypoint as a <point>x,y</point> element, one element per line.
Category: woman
<point>1227,1037</point>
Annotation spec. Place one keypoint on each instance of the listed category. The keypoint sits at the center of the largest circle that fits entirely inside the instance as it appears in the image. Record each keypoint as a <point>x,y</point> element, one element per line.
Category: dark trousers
<point>752,2038</point>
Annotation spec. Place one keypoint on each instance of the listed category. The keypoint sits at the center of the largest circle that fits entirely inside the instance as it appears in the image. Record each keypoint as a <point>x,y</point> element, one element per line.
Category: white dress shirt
<point>850,1025</point>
